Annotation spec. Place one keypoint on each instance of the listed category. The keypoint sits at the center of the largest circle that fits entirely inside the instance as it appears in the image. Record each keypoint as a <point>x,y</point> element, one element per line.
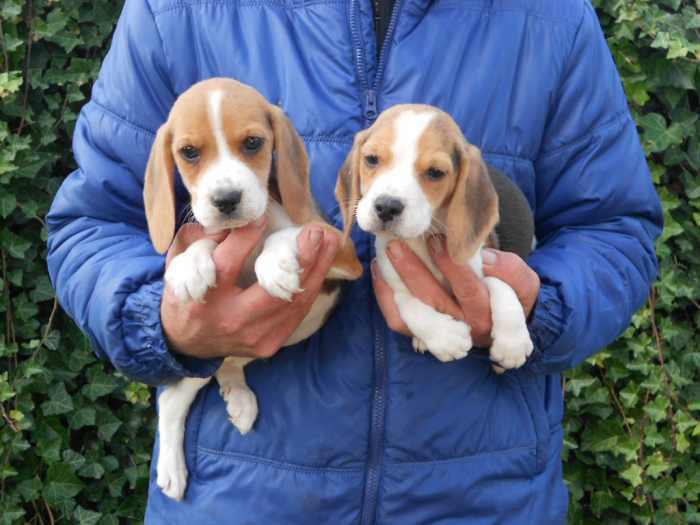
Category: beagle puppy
<point>413,175</point>
<point>240,158</point>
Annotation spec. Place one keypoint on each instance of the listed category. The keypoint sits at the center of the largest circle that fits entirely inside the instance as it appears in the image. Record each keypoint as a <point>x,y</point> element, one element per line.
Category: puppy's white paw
<point>192,273</point>
<point>448,338</point>
<point>278,272</point>
<point>172,472</point>
<point>510,349</point>
<point>241,405</point>
<point>419,345</point>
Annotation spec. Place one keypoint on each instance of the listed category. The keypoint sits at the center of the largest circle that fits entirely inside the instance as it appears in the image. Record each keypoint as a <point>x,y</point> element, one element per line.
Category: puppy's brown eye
<point>435,174</point>
<point>252,144</point>
<point>372,161</point>
<point>190,153</point>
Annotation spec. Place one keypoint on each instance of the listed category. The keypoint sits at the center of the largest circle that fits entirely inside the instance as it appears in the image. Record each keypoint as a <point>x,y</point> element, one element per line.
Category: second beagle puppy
<point>413,175</point>
<point>240,158</point>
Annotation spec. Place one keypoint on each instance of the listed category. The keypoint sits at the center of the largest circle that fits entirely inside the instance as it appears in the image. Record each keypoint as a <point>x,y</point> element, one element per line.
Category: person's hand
<point>243,322</point>
<point>468,299</point>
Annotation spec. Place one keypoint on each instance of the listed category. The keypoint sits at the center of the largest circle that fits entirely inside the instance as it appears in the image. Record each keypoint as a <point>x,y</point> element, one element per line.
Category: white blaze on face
<point>400,181</point>
<point>228,173</point>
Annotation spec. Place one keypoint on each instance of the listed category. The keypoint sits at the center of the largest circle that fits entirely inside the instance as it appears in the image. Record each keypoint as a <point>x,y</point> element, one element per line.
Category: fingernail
<point>395,250</point>
<point>436,245</point>
<point>315,236</point>
<point>488,257</point>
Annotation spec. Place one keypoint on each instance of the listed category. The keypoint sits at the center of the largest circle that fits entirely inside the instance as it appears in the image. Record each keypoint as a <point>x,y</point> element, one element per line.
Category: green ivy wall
<point>75,438</point>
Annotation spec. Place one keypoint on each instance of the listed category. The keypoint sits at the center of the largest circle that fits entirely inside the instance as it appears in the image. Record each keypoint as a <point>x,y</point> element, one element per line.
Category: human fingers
<point>515,272</point>
<point>385,299</point>
<point>419,280</point>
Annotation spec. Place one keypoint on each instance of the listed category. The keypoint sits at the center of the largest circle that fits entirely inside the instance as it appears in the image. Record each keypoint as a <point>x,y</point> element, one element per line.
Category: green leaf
<point>62,483</point>
<point>92,470</point>
<point>8,203</point>
<point>657,409</point>
<point>100,384</point>
<point>86,517</point>
<point>657,136</point>
<point>73,459</point>
<point>10,82</point>
<point>6,391</point>
<point>82,418</point>
<point>59,401</point>
<point>657,465</point>
<point>107,424</point>
<point>633,474</point>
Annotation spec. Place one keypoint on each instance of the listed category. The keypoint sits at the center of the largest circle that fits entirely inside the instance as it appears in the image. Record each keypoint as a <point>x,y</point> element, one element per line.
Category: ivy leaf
<point>657,136</point>
<point>73,459</point>
<point>59,401</point>
<point>107,424</point>
<point>657,465</point>
<point>633,474</point>
<point>8,203</point>
<point>657,409</point>
<point>100,384</point>
<point>82,418</point>
<point>92,470</point>
<point>86,517</point>
<point>62,483</point>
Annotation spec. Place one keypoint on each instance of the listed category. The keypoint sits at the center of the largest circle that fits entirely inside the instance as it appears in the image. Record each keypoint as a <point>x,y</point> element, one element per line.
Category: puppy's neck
<point>277,218</point>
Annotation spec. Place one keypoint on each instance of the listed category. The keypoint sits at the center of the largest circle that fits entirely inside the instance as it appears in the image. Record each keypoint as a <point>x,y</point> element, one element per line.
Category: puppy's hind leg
<point>173,406</point>
<point>241,403</point>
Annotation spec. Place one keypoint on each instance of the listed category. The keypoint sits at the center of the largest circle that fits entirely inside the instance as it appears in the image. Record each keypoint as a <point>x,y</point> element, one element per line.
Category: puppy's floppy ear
<point>347,187</point>
<point>159,190</point>
<point>472,211</point>
<point>291,169</point>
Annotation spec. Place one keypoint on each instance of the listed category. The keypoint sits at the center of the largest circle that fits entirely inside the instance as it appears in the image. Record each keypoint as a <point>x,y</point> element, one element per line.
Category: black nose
<point>388,208</point>
<point>227,202</point>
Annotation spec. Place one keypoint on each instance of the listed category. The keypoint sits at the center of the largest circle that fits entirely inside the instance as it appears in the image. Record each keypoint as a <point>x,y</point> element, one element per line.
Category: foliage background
<point>75,438</point>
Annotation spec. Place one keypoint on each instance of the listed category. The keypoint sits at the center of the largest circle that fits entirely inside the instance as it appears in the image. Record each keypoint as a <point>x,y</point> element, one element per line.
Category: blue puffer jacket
<point>355,427</point>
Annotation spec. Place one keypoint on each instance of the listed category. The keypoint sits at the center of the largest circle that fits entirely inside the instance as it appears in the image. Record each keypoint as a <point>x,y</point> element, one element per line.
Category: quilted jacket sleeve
<point>597,212</point>
<point>106,273</point>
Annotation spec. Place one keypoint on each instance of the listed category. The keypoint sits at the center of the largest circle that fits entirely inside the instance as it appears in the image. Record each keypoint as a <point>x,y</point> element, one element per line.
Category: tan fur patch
<point>464,200</point>
<point>244,113</point>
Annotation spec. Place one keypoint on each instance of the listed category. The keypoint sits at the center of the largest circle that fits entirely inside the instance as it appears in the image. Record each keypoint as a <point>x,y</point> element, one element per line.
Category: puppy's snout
<point>227,202</point>
<point>388,208</point>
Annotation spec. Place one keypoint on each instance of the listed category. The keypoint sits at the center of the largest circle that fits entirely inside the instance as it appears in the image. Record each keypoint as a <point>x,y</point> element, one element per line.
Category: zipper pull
<point>370,105</point>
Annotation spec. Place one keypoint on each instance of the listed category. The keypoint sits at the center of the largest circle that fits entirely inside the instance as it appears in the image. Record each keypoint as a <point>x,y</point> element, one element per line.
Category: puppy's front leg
<point>511,339</point>
<point>241,403</point>
<point>277,268</point>
<point>192,273</point>
<point>442,335</point>
<point>173,406</point>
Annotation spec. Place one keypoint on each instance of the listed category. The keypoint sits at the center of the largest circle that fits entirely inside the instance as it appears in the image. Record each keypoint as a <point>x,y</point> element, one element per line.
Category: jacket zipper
<point>376,437</point>
<point>370,110</point>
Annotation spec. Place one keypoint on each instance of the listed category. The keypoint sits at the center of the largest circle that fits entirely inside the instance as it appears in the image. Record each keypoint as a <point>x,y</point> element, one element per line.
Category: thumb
<point>231,254</point>
<point>502,265</point>
<point>188,234</point>
<point>308,245</point>
<point>515,272</point>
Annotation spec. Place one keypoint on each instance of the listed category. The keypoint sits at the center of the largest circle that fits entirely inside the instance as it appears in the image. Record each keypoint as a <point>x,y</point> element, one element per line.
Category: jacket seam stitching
<point>303,469</point>
<point>245,3</point>
<point>451,4</point>
<point>160,37</point>
<point>460,459</point>
<point>327,138</point>
<point>620,117</point>
<point>505,156</point>
<point>122,120</point>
